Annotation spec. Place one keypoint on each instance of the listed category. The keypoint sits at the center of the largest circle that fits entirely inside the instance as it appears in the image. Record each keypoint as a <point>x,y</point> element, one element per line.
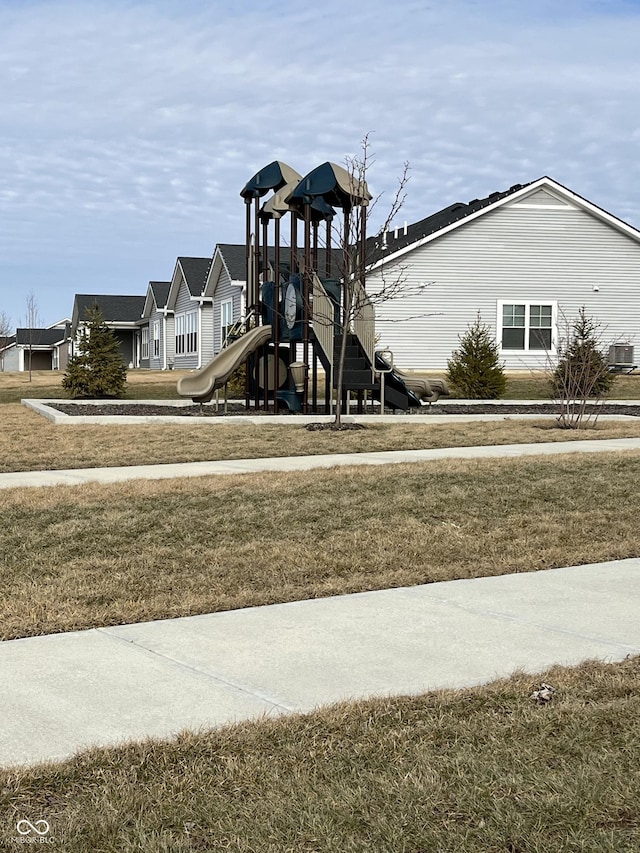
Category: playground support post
<point>306,296</point>
<point>265,349</point>
<point>256,287</point>
<point>382,372</point>
<point>276,314</point>
<point>249,294</point>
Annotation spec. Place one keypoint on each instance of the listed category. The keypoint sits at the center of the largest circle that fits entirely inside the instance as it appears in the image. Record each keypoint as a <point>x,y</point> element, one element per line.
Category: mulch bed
<point>196,411</point>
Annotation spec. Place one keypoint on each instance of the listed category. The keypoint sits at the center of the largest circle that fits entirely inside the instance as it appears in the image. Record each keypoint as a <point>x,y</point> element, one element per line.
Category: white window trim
<point>145,342</point>
<point>227,303</point>
<point>187,328</point>
<point>527,305</point>
<point>156,339</point>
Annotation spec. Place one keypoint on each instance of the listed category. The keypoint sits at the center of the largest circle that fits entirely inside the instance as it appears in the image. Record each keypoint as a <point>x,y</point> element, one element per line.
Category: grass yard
<point>29,442</point>
<point>82,556</point>
<point>483,769</point>
<point>464,771</point>
<point>154,384</point>
<point>141,385</point>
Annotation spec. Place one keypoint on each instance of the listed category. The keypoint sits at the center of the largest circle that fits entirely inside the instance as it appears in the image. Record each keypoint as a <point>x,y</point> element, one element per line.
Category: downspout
<point>199,335</point>
<point>164,340</point>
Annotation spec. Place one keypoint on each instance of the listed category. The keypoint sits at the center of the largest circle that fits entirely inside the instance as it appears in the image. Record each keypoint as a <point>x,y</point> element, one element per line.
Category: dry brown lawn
<point>521,385</point>
<point>77,557</point>
<point>482,770</point>
<point>29,442</point>
<point>141,384</point>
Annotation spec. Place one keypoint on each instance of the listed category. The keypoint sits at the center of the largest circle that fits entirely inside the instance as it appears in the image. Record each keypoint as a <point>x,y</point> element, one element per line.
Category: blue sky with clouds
<point>129,128</point>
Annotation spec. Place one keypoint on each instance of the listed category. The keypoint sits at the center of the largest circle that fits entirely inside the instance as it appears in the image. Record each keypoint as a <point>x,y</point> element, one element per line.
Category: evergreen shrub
<point>474,369</point>
<point>98,369</point>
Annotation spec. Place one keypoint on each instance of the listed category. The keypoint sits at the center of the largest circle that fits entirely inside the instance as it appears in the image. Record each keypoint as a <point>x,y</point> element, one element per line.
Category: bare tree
<point>32,324</point>
<point>580,378</point>
<point>5,335</point>
<point>357,258</point>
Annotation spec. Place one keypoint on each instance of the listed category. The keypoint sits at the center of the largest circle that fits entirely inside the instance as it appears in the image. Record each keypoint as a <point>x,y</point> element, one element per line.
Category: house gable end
<point>218,266</point>
<point>543,198</point>
<point>567,200</point>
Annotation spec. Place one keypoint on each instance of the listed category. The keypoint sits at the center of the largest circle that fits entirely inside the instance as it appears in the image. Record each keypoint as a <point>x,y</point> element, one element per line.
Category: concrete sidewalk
<point>78,476</point>
<point>64,692</point>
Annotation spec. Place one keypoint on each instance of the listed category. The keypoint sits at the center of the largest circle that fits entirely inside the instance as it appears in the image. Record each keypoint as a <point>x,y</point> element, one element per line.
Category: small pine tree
<point>474,369</point>
<point>98,370</point>
<point>582,370</point>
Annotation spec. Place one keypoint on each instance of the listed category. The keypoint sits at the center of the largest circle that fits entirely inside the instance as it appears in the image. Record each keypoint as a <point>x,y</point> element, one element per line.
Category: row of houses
<point>175,324</point>
<point>526,259</point>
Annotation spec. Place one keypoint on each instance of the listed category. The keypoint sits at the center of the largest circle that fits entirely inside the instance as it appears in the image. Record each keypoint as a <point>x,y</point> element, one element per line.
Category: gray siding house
<point>157,330</point>
<point>526,259</point>
<point>192,312</point>
<point>225,286</point>
<point>122,314</point>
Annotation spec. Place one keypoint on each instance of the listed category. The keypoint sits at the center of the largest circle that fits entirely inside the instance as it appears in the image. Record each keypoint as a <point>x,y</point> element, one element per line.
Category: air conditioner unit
<point>621,356</point>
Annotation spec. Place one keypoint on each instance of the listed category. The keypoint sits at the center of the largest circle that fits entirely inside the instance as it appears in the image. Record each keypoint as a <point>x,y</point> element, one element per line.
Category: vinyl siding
<point>527,252</point>
<point>10,361</point>
<point>169,338</point>
<point>156,362</point>
<point>225,291</point>
<point>206,338</point>
<point>184,303</point>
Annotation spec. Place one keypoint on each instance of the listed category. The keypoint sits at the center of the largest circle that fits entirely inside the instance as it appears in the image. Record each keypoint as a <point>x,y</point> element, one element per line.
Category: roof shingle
<point>115,309</point>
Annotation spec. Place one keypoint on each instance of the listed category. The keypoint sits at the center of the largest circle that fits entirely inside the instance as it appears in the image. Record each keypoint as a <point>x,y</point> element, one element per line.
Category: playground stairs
<point>358,375</point>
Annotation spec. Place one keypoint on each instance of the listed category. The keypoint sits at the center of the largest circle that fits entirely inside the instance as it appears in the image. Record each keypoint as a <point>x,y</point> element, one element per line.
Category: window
<point>526,326</point>
<point>145,342</point>
<point>156,339</point>
<point>186,333</point>
<point>226,319</point>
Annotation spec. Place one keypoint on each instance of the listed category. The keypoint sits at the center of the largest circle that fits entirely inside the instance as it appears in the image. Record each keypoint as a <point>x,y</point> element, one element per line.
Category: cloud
<point>130,128</point>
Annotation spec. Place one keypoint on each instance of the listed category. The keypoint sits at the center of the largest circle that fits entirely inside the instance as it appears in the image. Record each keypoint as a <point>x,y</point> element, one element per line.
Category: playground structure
<point>307,308</point>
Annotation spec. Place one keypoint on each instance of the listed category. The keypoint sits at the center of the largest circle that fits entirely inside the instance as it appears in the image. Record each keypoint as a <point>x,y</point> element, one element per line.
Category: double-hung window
<point>186,333</point>
<point>156,338</point>
<point>226,319</point>
<point>145,342</point>
<point>526,326</point>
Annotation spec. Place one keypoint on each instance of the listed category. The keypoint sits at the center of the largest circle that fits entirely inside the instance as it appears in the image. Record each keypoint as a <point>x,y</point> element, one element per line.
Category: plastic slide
<point>418,389</point>
<point>201,384</point>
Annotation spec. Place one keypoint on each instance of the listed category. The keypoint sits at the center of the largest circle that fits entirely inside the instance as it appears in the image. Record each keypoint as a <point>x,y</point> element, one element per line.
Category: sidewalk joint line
<point>218,679</point>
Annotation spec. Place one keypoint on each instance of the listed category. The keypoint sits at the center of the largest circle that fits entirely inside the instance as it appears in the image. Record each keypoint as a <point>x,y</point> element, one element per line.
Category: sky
<point>128,129</point>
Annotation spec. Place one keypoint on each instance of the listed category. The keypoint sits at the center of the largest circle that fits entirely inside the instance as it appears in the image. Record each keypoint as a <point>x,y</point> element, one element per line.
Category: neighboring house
<point>122,314</point>
<point>42,349</point>
<point>193,313</point>
<point>226,282</point>
<point>526,259</point>
<point>157,328</point>
<point>7,347</point>
<point>225,285</point>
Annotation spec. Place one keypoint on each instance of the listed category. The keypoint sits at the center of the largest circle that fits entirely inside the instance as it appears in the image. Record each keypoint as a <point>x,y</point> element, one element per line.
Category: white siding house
<point>42,349</point>
<point>192,313</point>
<point>527,260</point>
